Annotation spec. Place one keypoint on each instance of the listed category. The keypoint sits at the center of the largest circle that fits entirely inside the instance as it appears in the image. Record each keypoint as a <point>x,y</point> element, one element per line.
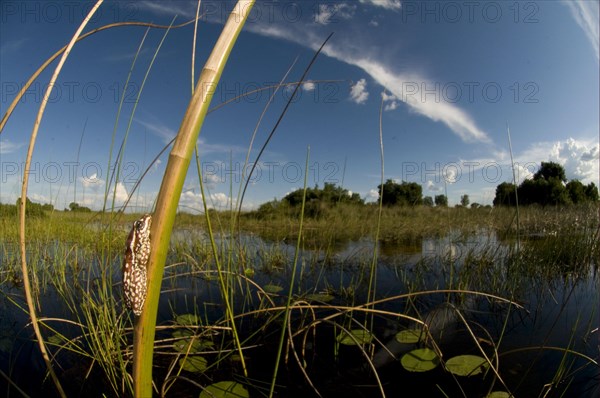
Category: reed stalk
<point>170,192</point>
<point>22,237</point>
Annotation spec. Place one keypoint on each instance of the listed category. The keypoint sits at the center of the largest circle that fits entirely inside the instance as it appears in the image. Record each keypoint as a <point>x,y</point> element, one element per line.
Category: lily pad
<point>272,289</point>
<point>195,364</point>
<point>499,394</point>
<point>55,339</point>
<point>187,319</point>
<point>225,389</point>
<point>322,297</point>
<point>355,337</point>
<point>182,333</point>
<point>420,360</point>
<point>409,336</point>
<point>196,345</point>
<point>466,365</point>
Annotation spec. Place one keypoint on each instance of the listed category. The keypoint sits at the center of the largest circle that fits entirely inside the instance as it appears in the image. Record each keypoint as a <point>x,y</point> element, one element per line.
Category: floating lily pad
<point>272,288</point>
<point>420,360</point>
<point>323,297</point>
<point>55,339</point>
<point>466,365</point>
<point>196,345</point>
<point>187,319</point>
<point>194,364</point>
<point>499,394</point>
<point>182,333</point>
<point>409,336</point>
<point>355,337</point>
<point>225,389</point>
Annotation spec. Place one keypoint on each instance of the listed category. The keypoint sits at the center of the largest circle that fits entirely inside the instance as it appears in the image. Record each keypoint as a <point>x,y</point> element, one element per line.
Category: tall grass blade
<point>22,239</point>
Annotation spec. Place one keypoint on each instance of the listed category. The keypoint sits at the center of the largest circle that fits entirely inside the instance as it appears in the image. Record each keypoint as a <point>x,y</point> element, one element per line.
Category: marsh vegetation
<point>530,312</point>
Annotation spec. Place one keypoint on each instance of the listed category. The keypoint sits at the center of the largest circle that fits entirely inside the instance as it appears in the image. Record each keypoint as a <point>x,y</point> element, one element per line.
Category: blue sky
<point>449,75</point>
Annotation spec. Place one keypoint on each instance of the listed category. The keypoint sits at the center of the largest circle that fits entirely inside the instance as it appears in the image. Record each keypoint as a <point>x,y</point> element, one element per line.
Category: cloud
<point>8,147</point>
<point>92,194</point>
<point>193,200</point>
<point>586,15</point>
<point>435,109</point>
<point>431,186</point>
<point>391,99</point>
<point>328,13</point>
<point>372,195</point>
<point>308,86</point>
<point>169,8</point>
<point>358,92</point>
<point>393,5</point>
<point>579,159</point>
<point>12,46</point>
<point>165,133</point>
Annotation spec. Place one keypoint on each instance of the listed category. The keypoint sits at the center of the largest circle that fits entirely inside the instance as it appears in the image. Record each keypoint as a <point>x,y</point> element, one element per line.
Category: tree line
<point>549,186</point>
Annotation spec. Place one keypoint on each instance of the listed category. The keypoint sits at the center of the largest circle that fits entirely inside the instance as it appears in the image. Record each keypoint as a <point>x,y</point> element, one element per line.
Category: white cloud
<point>459,121</point>
<point>431,186</point>
<point>8,147</point>
<point>308,86</point>
<point>192,200</point>
<point>165,133</point>
<point>170,8</point>
<point>358,92</point>
<point>586,15</point>
<point>93,190</point>
<point>330,13</point>
<point>579,159</point>
<point>372,195</point>
<point>394,5</point>
<point>438,110</point>
<point>391,106</point>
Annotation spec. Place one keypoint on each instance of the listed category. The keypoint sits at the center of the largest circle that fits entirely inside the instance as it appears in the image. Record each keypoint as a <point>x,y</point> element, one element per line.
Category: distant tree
<point>318,200</point>
<point>576,191</point>
<point>441,200</point>
<point>505,195</point>
<point>475,205</point>
<point>551,170</point>
<point>547,187</point>
<point>591,192</point>
<point>47,207</point>
<point>75,207</point>
<point>31,209</point>
<point>464,200</point>
<point>404,194</point>
<point>428,201</point>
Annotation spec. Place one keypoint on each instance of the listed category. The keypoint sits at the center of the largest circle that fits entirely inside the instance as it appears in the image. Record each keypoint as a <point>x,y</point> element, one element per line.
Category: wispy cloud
<point>12,46</point>
<point>437,110</point>
<point>165,133</point>
<point>358,92</point>
<point>7,147</point>
<point>170,8</point>
<point>586,15</point>
<point>328,13</point>
<point>393,5</point>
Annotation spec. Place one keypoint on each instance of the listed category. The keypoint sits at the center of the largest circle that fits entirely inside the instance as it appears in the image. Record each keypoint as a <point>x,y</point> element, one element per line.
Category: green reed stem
<point>170,192</point>
<point>292,279</point>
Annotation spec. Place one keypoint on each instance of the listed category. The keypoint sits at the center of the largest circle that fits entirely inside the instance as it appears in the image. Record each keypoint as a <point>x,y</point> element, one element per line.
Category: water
<point>554,314</point>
